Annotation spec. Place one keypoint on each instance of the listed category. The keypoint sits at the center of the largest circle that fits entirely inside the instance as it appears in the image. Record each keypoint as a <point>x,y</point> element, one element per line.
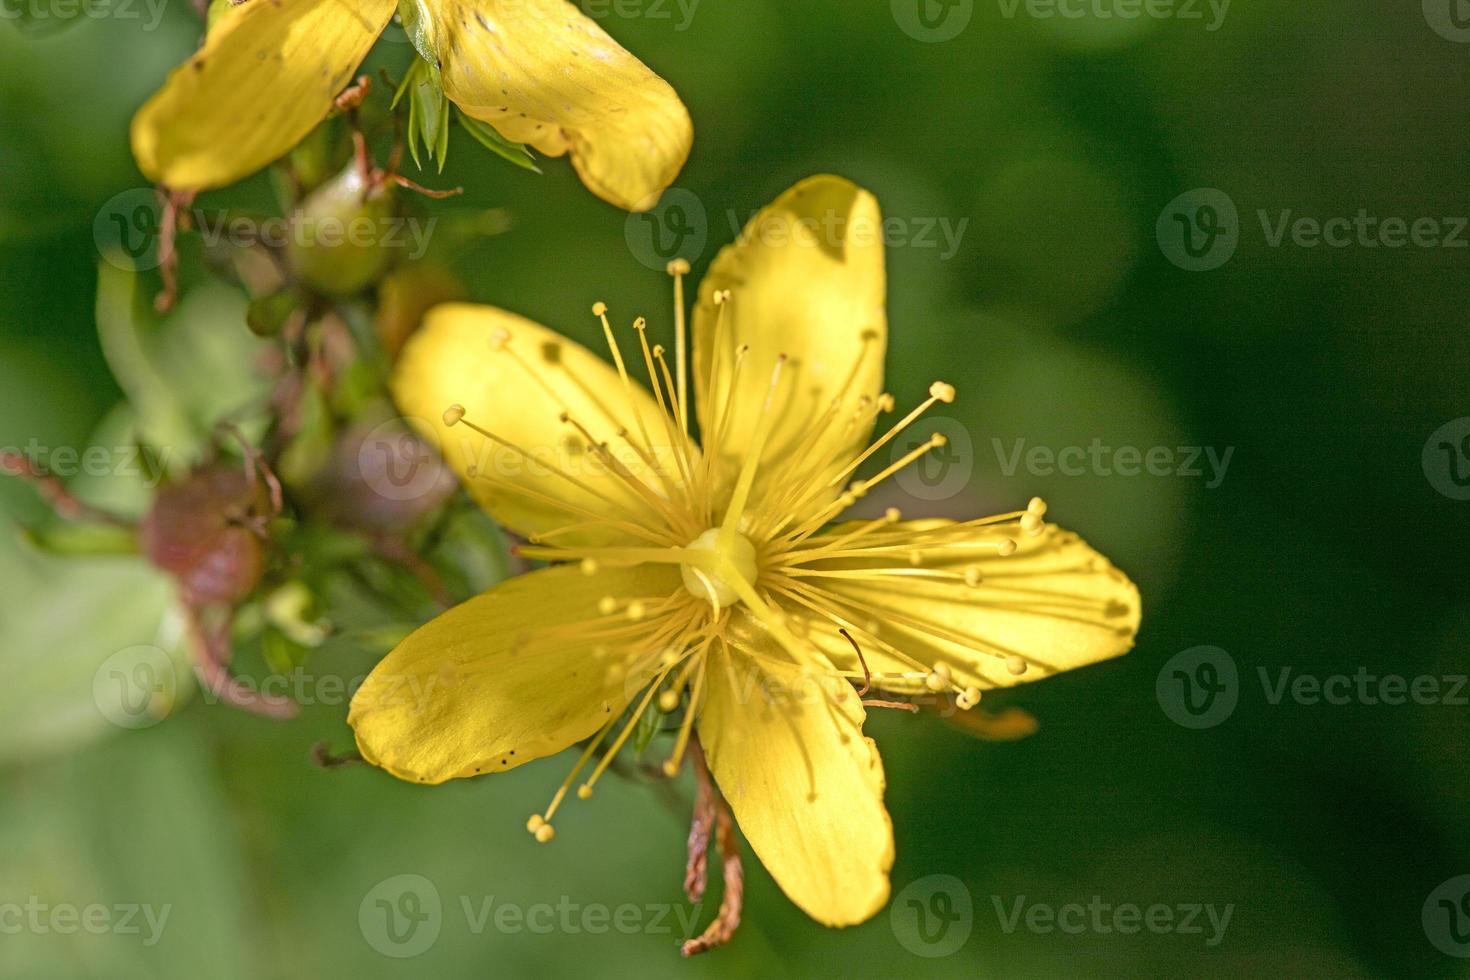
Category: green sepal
<point>517,153</point>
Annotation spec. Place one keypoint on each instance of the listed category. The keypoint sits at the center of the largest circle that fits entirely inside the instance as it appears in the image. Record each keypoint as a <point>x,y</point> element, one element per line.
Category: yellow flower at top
<point>707,580</point>
<point>539,71</point>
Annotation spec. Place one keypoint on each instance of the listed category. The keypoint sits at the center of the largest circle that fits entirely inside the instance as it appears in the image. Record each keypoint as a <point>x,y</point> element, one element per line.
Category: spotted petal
<point>265,77</point>
<point>501,679</point>
<point>804,783</point>
<point>543,73</point>
<point>1052,606</point>
<point>521,394</point>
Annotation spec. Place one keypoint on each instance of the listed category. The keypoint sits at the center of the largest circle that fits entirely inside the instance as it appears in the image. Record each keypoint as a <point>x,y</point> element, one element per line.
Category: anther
<point>599,308</point>
<point>938,440</point>
<point>589,566</point>
<point>535,823</point>
<point>893,515</point>
<point>544,833</point>
<point>1036,506</point>
<point>1016,664</point>
<point>668,701</point>
<point>967,698</point>
<point>584,792</point>
<point>973,577</point>
<point>943,392</point>
<point>636,610</point>
<point>640,324</point>
<point>1031,523</point>
<point>939,678</point>
<point>607,605</point>
<point>453,414</point>
<point>1007,548</point>
<point>677,267</point>
<point>721,297</point>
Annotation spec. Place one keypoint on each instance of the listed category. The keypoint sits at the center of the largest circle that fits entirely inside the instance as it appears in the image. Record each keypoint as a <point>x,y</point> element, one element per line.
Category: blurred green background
<point>1055,151</point>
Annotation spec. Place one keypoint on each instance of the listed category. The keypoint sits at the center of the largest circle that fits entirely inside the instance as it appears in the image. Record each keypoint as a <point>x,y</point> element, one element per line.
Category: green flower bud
<point>343,234</point>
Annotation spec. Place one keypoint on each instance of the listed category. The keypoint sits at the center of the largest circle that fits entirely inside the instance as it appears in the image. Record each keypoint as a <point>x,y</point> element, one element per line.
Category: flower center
<point>710,585</point>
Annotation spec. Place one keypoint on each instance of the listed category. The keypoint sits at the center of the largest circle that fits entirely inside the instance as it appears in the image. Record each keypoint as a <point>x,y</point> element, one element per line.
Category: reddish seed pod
<point>195,532</point>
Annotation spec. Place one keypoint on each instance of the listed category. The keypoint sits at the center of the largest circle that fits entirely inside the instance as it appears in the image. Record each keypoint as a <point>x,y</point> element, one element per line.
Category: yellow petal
<point>519,395</point>
<point>1055,603</point>
<point>804,783</point>
<point>477,690</point>
<point>543,73</point>
<point>267,74</point>
<point>807,280</point>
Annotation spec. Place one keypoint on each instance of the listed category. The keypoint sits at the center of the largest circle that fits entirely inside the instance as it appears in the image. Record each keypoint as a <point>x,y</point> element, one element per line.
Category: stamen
<point>678,268</point>
<point>681,742</point>
<point>586,789</point>
<point>752,460</point>
<point>599,310</point>
<point>540,824</point>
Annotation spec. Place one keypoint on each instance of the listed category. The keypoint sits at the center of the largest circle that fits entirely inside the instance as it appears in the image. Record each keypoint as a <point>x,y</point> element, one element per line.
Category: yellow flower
<point>539,71</point>
<point>710,578</point>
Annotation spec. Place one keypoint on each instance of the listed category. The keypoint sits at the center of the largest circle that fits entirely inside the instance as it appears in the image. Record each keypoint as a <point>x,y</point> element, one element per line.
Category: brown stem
<point>168,254</point>
<point>323,758</point>
<point>722,929</point>
<point>54,492</point>
<point>706,805</point>
<point>212,655</point>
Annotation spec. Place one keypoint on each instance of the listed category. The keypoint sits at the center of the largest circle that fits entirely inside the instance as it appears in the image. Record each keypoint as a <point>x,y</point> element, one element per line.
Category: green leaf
<point>88,540</point>
<point>184,374</point>
<point>74,635</point>
<point>490,138</point>
<point>143,828</point>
